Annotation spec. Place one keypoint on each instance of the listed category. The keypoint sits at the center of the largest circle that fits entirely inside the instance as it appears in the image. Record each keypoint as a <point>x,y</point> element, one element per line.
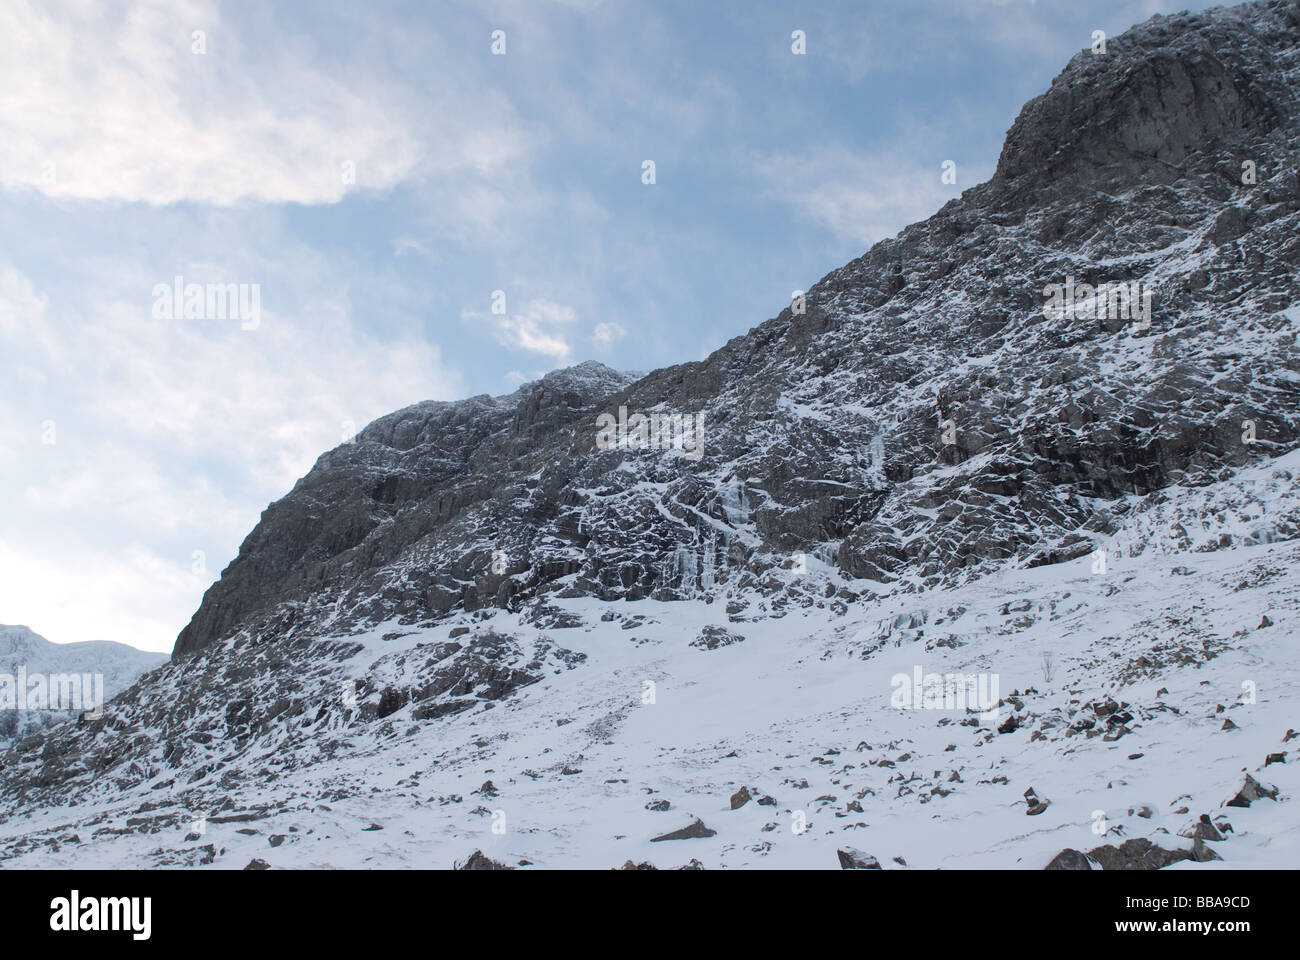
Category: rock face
<point>917,422</point>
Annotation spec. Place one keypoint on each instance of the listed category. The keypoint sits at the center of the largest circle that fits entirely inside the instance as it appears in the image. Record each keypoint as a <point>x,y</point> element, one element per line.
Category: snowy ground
<point>800,713</point>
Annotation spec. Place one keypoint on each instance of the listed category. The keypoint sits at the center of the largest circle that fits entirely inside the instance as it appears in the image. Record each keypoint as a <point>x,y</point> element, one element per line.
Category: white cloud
<point>605,335</point>
<point>860,197</point>
<point>542,328</point>
<point>110,101</point>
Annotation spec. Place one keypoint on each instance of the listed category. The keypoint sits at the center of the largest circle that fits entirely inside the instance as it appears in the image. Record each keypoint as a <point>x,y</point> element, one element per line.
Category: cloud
<point>860,196</point>
<point>112,102</point>
<point>605,335</point>
<point>67,592</point>
<point>542,328</point>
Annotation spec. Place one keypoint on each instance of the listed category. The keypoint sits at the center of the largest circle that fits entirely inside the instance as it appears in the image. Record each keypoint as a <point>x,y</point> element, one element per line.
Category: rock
<point>1069,859</point>
<point>712,637</point>
<point>659,806</point>
<point>1275,758</point>
<point>373,826</point>
<point>694,831</point>
<point>1136,854</point>
<point>1034,806</point>
<point>1264,621</point>
<point>1202,853</point>
<point>390,701</point>
<point>1251,791</point>
<point>851,859</point>
<point>257,864</point>
<point>1203,829</point>
<point>740,798</point>
<point>644,865</point>
<point>1228,725</point>
<point>276,839</point>
<point>487,790</point>
<point>458,632</point>
<point>479,861</point>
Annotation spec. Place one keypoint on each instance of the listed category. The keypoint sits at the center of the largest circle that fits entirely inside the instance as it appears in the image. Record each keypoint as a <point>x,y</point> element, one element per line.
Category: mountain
<point>1044,441</point>
<point>27,654</point>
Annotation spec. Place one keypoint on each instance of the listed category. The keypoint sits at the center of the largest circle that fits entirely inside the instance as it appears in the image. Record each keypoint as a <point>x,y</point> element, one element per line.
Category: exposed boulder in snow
<point>853,859</point>
<point>693,831</point>
<point>1069,859</point>
<point>480,861</point>
<point>1136,854</point>
<point>1251,791</point>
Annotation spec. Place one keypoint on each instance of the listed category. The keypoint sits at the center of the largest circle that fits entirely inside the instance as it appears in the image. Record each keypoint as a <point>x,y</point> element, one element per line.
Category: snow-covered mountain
<point>982,553</point>
<point>112,668</point>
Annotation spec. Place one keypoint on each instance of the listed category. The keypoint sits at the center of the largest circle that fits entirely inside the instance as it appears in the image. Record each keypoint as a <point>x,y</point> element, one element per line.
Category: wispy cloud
<point>605,335</point>
<point>543,327</point>
<point>163,102</point>
<point>863,196</point>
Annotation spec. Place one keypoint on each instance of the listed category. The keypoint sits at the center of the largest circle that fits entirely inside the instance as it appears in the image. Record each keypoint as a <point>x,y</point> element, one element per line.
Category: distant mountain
<point>114,667</point>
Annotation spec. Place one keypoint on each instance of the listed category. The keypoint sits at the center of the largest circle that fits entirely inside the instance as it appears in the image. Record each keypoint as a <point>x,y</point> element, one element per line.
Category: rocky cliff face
<point>825,426</point>
<point>930,420</point>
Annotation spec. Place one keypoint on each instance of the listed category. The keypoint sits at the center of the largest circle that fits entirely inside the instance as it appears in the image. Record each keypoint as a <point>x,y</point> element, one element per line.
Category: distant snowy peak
<point>119,664</point>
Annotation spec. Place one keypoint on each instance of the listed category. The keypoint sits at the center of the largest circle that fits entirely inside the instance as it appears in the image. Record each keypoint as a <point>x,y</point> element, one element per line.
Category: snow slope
<point>798,711</point>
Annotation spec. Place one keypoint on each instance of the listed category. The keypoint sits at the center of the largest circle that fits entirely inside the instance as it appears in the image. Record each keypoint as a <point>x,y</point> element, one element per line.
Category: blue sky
<point>137,451</point>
